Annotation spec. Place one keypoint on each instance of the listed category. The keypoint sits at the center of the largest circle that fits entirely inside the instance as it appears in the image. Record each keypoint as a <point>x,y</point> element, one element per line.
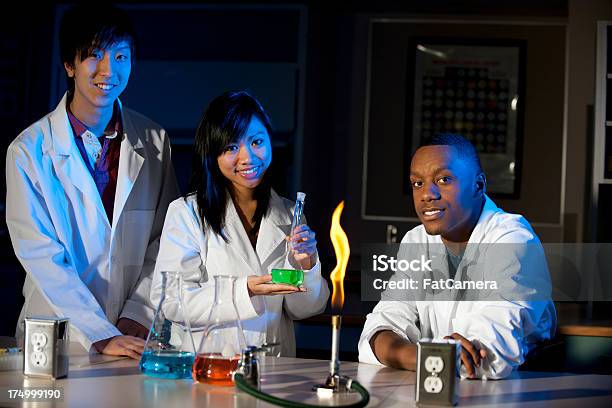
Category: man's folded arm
<point>388,320</point>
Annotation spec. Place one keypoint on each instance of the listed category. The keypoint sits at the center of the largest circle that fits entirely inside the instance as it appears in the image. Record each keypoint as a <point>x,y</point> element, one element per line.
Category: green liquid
<point>293,277</point>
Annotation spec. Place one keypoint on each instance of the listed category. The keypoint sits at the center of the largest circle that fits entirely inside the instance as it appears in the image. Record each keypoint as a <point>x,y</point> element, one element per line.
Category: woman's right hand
<point>258,286</point>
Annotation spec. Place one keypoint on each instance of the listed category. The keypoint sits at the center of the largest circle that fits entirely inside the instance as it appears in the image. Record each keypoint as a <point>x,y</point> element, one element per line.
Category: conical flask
<point>169,351</point>
<point>223,340</point>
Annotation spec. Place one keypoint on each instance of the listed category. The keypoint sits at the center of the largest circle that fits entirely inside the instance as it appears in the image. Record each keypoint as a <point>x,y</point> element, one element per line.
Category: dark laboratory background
<point>341,82</point>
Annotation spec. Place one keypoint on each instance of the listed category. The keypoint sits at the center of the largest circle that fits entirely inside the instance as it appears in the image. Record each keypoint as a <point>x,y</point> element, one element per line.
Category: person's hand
<point>470,355</point>
<point>303,246</point>
<point>132,328</point>
<point>121,346</point>
<point>258,286</point>
<point>393,350</point>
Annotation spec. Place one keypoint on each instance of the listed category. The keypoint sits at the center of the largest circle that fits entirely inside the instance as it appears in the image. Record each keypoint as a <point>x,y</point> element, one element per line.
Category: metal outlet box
<point>46,347</point>
<point>437,373</point>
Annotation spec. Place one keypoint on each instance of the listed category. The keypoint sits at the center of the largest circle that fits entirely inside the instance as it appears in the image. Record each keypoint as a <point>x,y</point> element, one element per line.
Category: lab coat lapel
<point>68,160</point>
<point>274,228</point>
<point>473,248</point>
<point>441,319</point>
<point>131,160</point>
<point>238,239</point>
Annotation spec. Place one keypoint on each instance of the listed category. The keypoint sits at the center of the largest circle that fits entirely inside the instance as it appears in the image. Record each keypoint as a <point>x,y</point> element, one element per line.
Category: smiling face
<point>100,77</point>
<point>245,162</point>
<point>448,192</point>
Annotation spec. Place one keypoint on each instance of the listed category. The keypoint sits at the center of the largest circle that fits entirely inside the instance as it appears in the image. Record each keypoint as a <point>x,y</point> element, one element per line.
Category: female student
<point>233,223</point>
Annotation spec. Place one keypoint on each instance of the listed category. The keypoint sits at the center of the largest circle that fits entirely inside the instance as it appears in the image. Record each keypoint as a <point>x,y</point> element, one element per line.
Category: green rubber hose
<point>242,385</point>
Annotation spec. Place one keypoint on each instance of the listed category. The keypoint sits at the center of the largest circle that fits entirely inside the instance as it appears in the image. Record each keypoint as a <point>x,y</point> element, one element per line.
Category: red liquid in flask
<point>214,369</point>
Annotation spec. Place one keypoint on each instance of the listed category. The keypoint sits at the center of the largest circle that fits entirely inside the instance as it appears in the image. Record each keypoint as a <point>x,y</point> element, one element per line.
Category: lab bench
<point>96,381</point>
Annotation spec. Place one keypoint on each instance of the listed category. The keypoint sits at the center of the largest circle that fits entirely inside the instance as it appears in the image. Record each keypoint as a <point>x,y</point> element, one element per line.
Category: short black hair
<point>466,149</point>
<point>84,28</point>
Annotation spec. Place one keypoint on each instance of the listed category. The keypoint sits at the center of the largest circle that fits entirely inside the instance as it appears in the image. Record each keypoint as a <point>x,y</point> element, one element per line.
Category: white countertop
<point>120,384</point>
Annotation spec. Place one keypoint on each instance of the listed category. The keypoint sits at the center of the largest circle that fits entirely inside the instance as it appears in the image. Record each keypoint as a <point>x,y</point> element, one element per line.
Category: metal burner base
<point>334,384</point>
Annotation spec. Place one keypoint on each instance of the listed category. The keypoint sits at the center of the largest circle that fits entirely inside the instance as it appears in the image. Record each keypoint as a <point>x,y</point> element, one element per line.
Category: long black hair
<point>225,121</point>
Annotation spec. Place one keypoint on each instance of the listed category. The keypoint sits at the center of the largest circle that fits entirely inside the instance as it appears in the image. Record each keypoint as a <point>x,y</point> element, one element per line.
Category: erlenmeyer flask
<point>169,351</point>
<point>223,339</point>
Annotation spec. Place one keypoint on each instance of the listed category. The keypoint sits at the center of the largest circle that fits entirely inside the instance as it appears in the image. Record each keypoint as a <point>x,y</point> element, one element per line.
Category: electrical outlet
<point>46,347</point>
<point>39,341</point>
<point>437,363</point>
<point>433,384</point>
<point>434,364</point>
<point>39,359</point>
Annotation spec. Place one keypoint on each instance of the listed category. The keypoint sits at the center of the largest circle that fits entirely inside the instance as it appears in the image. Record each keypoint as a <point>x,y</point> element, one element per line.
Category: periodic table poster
<point>475,91</point>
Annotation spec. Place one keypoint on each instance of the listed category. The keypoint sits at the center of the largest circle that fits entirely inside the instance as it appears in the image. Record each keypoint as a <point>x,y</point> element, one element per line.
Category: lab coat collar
<point>61,140</point>
<point>488,210</point>
<point>274,227</point>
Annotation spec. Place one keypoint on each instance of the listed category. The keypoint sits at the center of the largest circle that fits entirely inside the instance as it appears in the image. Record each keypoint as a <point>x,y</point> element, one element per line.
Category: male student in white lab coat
<point>448,188</point>
<point>88,187</point>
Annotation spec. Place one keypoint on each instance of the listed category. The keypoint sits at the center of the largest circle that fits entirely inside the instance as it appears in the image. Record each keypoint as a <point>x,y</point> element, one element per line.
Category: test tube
<point>298,210</point>
<point>291,276</point>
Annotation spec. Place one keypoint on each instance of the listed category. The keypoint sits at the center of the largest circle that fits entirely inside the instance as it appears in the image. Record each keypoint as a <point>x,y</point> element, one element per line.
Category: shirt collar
<point>113,128</point>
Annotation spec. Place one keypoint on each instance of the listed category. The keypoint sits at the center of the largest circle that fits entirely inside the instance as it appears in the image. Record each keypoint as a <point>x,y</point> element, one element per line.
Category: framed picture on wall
<point>474,88</point>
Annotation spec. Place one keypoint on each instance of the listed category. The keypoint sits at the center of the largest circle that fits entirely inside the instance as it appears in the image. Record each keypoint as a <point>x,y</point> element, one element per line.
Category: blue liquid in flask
<point>167,364</point>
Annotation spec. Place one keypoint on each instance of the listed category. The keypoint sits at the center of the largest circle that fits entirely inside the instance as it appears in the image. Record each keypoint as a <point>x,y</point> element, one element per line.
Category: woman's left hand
<point>303,246</point>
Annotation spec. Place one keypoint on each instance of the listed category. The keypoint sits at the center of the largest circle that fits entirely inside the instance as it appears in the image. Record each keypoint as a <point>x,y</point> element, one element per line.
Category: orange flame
<point>342,250</point>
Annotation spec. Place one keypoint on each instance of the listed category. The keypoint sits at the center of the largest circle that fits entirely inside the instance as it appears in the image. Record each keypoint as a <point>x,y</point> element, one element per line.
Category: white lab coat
<point>200,256</point>
<point>78,265</point>
<point>507,329</point>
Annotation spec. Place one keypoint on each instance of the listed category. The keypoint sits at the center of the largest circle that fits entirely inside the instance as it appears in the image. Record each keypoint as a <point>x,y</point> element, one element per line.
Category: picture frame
<point>475,88</point>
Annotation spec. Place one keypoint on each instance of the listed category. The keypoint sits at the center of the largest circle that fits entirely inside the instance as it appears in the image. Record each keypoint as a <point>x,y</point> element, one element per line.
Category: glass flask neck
<point>224,289</point>
<point>172,283</point>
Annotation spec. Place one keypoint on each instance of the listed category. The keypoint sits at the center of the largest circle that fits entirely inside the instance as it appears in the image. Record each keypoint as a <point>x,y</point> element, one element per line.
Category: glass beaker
<point>169,351</point>
<point>223,340</point>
